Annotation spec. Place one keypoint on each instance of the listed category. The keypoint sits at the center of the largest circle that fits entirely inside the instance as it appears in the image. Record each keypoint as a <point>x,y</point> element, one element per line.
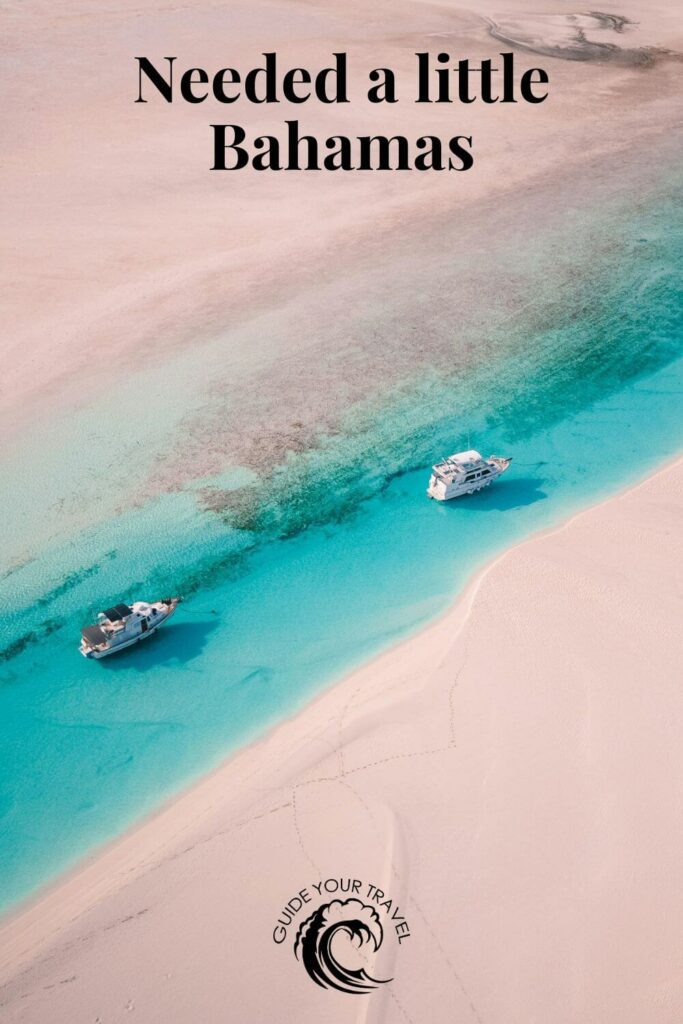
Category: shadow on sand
<point>503,495</point>
<point>177,642</point>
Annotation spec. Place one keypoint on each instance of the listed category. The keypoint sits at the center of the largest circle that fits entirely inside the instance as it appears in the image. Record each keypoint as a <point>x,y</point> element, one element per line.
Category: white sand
<point>511,777</point>
<point>121,245</point>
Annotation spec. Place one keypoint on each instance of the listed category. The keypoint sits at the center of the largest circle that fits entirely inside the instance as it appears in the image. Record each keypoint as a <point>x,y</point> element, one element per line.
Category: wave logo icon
<point>334,945</point>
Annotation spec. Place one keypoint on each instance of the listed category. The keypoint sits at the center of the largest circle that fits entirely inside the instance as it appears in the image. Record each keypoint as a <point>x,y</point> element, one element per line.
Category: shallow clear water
<point>292,581</point>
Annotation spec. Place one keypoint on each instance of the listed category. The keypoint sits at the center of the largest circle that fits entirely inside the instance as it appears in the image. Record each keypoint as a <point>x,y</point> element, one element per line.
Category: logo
<point>338,941</point>
<point>315,944</point>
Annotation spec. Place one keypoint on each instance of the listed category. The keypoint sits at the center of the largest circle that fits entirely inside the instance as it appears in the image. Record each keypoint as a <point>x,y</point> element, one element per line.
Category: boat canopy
<point>94,635</point>
<point>118,612</point>
<point>470,458</point>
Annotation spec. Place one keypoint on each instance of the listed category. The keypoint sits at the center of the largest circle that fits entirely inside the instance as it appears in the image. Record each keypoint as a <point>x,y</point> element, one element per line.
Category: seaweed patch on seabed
<point>565,36</point>
<point>16,566</point>
<point>215,571</point>
<point>70,582</point>
<point>564,370</point>
<point>19,645</point>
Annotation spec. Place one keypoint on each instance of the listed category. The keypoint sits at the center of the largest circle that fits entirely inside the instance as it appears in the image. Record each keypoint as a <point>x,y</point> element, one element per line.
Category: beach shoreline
<point>259,781</point>
<point>462,597</point>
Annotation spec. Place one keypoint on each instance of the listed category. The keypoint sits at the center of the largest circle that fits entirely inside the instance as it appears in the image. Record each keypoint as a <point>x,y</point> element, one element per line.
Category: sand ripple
<point>566,36</point>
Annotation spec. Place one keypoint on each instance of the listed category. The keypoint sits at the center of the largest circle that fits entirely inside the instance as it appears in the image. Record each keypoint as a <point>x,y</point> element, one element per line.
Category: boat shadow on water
<point>179,642</point>
<point>503,495</point>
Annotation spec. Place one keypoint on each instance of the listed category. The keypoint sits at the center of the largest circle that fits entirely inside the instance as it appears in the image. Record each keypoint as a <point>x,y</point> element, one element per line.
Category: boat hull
<point>126,643</point>
<point>97,653</point>
<point>448,493</point>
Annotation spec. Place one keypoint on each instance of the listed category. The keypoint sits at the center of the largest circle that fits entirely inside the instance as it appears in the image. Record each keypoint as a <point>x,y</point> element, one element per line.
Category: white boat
<point>123,625</point>
<point>464,473</point>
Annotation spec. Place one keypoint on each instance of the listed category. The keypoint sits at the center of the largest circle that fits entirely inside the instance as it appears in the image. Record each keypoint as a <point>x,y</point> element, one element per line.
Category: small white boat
<point>464,473</point>
<point>123,625</point>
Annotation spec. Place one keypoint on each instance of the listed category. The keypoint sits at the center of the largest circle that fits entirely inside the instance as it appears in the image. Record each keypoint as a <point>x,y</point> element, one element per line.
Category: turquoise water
<point>292,581</point>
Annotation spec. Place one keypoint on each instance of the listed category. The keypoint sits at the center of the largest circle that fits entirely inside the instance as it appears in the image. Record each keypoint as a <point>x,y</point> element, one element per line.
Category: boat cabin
<point>463,467</point>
